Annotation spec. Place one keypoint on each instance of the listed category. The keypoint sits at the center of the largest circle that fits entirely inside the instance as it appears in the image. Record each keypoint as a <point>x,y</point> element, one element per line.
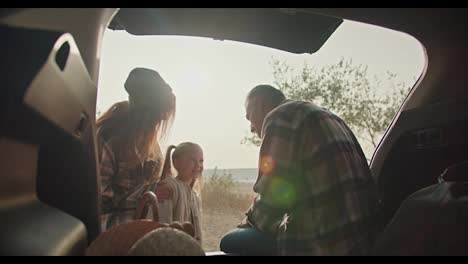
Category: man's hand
<point>244,224</point>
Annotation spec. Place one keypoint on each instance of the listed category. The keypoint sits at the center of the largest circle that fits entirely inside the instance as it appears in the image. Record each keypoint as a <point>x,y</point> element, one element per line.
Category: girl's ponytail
<point>167,168</point>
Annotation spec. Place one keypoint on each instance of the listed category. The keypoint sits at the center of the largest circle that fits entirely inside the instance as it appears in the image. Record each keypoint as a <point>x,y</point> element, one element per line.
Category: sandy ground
<point>216,224</point>
<point>218,221</point>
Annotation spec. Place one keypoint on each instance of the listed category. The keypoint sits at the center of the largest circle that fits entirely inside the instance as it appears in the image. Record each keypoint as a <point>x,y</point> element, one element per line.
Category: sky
<point>211,78</point>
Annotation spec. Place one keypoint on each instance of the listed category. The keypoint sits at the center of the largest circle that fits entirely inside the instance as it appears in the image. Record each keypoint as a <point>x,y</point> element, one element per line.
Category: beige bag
<point>118,240</point>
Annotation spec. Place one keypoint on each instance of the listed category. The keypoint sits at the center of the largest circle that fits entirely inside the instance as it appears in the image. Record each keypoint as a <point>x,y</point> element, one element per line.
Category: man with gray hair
<point>315,192</point>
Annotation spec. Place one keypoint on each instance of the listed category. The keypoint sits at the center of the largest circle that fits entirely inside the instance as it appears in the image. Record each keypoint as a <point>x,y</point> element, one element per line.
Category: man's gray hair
<point>268,92</point>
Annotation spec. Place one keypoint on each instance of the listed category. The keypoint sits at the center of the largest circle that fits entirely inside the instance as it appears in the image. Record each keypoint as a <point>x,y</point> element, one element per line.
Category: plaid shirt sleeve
<point>275,183</point>
<point>107,173</point>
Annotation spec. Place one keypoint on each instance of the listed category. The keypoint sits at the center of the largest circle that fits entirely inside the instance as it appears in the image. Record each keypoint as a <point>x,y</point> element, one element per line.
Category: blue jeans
<point>248,242</point>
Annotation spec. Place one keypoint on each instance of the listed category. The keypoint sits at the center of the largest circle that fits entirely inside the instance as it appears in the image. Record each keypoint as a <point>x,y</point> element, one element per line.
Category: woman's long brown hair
<point>135,128</point>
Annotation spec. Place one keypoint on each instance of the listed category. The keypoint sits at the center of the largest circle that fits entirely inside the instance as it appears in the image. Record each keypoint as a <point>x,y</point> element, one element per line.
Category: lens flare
<point>282,193</point>
<point>266,165</point>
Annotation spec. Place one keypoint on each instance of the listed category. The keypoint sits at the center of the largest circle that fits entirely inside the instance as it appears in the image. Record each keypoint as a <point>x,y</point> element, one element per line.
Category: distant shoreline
<point>243,175</point>
<point>212,169</point>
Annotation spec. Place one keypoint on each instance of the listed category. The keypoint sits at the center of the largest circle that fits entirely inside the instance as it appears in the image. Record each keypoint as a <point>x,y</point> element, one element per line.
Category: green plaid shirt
<point>315,189</point>
<point>123,183</point>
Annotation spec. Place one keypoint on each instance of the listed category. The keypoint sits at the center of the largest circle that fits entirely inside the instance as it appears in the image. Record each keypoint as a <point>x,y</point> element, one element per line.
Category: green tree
<point>366,104</point>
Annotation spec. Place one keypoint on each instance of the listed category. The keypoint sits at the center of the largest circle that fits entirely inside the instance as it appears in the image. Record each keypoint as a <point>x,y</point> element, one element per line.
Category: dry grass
<point>224,203</point>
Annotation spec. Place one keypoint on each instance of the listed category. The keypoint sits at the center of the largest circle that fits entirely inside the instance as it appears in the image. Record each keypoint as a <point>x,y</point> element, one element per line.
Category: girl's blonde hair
<point>180,150</point>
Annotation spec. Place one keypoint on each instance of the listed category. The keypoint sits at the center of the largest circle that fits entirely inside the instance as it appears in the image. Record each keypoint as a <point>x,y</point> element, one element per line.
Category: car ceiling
<point>277,28</point>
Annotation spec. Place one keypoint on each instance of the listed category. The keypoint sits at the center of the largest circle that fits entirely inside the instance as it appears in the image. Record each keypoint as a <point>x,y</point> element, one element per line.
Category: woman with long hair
<point>128,134</point>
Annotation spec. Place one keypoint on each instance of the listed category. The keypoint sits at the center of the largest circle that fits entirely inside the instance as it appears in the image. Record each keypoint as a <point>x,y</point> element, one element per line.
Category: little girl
<point>177,199</point>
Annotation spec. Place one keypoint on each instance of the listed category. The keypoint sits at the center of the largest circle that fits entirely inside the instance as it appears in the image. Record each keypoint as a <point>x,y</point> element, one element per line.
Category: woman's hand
<point>187,227</point>
<point>163,192</point>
